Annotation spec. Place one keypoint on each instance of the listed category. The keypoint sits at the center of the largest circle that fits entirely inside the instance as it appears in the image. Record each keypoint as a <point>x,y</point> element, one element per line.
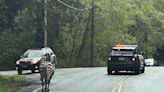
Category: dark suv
<point>125,58</point>
<point>30,60</point>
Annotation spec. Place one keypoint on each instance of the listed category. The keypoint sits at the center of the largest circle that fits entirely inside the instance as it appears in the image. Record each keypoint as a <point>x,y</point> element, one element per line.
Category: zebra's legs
<point>42,85</point>
<point>46,85</point>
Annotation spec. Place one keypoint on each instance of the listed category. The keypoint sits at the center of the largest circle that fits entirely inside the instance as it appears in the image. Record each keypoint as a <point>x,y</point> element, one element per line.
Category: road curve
<point>119,84</point>
<point>83,80</point>
<point>96,80</point>
<point>151,81</point>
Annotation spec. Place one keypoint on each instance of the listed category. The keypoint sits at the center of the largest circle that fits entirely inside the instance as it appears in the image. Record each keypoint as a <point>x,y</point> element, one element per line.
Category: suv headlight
<point>34,61</point>
<point>17,62</point>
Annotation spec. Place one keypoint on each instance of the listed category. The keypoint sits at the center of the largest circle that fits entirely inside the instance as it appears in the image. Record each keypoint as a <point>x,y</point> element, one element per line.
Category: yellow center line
<point>117,87</point>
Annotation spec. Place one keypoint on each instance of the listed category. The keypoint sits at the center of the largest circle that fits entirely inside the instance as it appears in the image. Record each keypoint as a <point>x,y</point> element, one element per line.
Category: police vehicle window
<point>122,51</point>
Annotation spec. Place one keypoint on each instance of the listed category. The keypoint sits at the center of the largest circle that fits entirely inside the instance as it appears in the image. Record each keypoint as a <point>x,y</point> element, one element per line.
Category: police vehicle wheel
<point>143,70</point>
<point>116,72</point>
<point>109,71</point>
<point>137,71</point>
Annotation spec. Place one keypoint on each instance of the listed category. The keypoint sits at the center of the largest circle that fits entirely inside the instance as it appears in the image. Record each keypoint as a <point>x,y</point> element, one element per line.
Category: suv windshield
<point>32,54</point>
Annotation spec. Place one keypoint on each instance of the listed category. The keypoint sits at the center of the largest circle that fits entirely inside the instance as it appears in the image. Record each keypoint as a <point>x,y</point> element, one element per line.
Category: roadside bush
<point>13,44</point>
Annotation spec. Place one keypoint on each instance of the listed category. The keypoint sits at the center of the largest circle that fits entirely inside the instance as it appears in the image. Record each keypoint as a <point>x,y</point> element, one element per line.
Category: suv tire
<point>33,70</point>
<point>19,71</point>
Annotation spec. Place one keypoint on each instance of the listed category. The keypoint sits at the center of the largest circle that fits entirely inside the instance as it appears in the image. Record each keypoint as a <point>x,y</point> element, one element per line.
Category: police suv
<point>125,58</point>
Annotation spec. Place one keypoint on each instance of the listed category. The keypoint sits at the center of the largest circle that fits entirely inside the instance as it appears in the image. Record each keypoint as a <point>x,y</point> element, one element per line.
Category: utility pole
<point>45,23</point>
<point>146,43</point>
<point>92,34</point>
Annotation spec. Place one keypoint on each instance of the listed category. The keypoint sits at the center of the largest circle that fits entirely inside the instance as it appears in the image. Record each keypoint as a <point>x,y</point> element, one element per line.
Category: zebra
<point>47,69</point>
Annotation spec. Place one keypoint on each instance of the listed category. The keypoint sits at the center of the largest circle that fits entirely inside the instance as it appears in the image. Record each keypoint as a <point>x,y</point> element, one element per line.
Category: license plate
<point>121,59</point>
<point>24,66</point>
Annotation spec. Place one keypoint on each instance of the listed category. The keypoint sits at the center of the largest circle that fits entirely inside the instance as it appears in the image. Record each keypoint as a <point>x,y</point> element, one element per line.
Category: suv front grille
<point>25,63</point>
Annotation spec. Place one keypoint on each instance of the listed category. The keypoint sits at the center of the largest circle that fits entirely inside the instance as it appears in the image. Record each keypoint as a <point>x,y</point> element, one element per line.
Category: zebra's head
<point>47,56</point>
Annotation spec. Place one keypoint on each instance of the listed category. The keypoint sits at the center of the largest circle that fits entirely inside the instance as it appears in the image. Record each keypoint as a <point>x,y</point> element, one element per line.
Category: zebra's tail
<point>50,69</point>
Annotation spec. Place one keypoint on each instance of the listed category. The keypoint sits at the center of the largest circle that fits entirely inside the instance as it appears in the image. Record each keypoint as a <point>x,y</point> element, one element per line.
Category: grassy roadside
<point>161,64</point>
<point>9,83</point>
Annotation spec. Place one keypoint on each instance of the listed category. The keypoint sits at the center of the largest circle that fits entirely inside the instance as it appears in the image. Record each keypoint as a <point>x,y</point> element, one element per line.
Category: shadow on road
<point>28,73</point>
<point>123,73</point>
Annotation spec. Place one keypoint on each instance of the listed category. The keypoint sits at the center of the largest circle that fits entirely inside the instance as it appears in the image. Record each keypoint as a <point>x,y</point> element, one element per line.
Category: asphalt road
<point>97,80</point>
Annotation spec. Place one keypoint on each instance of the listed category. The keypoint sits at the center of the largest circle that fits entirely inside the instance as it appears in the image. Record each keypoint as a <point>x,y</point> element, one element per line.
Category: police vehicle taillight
<point>109,58</point>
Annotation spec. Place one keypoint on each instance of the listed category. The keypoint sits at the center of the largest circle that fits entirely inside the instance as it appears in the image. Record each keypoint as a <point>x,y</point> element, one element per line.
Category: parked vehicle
<point>125,58</point>
<point>30,60</point>
<point>151,62</point>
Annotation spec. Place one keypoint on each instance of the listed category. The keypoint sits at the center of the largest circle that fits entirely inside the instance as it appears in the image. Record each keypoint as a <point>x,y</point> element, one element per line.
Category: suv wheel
<point>19,71</point>
<point>33,70</point>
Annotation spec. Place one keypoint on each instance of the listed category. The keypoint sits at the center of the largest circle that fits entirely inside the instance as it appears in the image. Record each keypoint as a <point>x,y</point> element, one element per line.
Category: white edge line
<point>37,89</point>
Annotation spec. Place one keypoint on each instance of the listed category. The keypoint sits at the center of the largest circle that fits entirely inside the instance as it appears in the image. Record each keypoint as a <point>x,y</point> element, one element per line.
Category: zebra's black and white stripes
<point>47,69</point>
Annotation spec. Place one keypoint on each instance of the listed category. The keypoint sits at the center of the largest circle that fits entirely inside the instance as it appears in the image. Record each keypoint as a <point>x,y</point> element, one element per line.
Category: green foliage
<point>69,31</point>
<point>13,44</point>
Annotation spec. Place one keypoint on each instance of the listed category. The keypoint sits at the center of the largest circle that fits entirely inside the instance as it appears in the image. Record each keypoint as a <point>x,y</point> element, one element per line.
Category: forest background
<point>70,32</point>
